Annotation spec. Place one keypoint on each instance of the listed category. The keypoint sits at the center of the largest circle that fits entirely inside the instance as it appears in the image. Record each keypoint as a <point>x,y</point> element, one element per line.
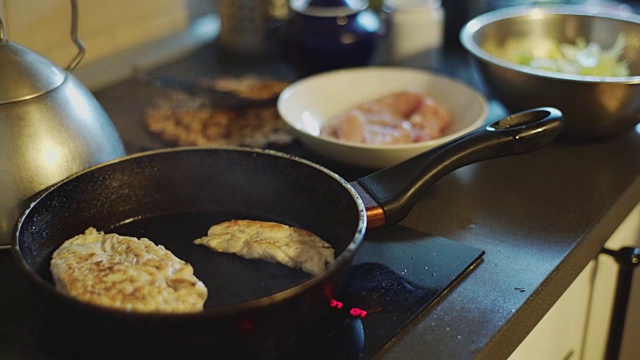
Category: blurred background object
<point>415,26</point>
<point>458,12</point>
<point>107,27</point>
<point>250,26</point>
<point>119,35</point>
<point>478,7</point>
<point>323,35</point>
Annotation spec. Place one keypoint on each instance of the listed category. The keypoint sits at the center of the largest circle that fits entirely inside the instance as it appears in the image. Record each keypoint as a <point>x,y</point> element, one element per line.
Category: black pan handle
<point>397,188</point>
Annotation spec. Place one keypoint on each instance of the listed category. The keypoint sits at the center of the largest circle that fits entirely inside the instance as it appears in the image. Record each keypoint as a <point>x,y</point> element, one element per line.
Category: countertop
<point>539,217</point>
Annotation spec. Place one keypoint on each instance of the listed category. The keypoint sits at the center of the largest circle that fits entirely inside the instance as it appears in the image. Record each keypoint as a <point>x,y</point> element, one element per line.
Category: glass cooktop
<point>397,273</point>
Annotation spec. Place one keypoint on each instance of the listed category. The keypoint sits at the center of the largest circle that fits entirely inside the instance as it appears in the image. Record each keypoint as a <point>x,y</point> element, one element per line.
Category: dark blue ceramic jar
<point>324,35</point>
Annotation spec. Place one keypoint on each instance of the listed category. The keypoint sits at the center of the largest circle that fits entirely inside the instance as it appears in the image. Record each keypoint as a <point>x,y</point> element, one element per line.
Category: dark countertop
<point>539,217</point>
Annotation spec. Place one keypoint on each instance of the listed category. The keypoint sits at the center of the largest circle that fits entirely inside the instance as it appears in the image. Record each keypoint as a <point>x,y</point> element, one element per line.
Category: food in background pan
<point>126,273</point>
<point>274,242</point>
<point>248,86</point>
<point>194,119</point>
<point>399,118</point>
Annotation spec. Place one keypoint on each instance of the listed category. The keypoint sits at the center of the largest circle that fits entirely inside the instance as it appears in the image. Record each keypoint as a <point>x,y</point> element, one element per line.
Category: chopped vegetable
<point>581,58</point>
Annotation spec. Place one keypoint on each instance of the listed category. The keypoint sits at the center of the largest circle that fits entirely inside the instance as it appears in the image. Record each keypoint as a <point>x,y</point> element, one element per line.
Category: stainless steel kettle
<point>51,126</point>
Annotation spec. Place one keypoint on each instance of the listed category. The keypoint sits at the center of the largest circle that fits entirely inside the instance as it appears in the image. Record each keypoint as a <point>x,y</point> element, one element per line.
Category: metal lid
<point>25,74</point>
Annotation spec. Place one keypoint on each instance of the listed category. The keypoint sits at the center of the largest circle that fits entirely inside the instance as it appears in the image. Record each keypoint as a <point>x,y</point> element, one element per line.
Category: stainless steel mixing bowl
<point>594,107</point>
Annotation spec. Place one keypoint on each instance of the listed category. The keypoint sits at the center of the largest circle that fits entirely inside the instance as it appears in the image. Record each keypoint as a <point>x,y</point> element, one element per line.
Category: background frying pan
<point>173,196</point>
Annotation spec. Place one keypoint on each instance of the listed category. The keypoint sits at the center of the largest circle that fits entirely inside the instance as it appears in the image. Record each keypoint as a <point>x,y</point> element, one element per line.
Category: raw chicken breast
<point>399,118</point>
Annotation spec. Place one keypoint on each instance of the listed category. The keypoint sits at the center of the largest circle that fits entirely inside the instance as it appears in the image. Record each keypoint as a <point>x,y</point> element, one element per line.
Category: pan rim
<point>343,258</point>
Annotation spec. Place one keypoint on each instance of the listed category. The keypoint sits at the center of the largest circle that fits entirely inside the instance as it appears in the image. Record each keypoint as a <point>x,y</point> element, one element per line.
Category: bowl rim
<point>478,122</point>
<point>474,25</point>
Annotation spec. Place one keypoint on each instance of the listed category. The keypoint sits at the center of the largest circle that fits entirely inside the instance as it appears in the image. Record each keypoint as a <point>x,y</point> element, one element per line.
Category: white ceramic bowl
<point>308,104</point>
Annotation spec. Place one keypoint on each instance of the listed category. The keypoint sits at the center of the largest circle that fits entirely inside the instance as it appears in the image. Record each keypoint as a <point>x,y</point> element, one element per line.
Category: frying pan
<point>255,309</point>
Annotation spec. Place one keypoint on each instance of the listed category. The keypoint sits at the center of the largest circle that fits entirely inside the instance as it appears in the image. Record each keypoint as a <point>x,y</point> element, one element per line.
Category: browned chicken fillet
<point>290,246</point>
<point>126,273</point>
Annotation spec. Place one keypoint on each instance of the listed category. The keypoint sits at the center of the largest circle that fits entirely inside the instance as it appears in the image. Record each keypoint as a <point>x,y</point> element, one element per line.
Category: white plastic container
<point>415,26</point>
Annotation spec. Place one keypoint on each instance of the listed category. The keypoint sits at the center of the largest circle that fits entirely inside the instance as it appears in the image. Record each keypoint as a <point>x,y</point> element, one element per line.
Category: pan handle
<point>392,192</point>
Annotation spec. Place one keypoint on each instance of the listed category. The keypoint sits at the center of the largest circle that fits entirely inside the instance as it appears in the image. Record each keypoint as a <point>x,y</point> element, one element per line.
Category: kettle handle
<point>74,36</point>
<point>2,38</point>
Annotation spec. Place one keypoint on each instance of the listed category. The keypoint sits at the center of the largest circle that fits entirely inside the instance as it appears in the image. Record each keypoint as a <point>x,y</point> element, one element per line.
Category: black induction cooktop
<point>397,273</point>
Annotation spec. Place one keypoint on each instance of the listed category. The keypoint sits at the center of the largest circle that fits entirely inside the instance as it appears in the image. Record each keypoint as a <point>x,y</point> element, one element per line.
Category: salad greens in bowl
<point>582,60</point>
<point>579,58</point>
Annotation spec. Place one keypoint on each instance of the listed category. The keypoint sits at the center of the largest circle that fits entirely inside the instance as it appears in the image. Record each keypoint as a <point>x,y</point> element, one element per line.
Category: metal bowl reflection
<point>594,106</point>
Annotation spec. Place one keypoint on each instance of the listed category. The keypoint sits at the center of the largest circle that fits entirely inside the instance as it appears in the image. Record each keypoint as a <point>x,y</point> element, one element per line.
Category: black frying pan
<point>173,196</point>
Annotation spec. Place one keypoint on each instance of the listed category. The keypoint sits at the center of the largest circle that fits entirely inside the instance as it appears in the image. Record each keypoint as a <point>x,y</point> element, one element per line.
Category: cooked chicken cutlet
<point>126,273</point>
<point>274,242</point>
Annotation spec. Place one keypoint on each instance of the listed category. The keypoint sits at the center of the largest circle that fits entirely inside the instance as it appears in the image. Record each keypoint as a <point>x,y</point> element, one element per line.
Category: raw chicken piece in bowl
<point>312,105</point>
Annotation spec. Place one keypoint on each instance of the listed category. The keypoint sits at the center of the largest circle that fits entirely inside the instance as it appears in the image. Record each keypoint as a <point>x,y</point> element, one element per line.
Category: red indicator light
<point>336,304</point>
<point>246,325</point>
<point>355,312</point>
